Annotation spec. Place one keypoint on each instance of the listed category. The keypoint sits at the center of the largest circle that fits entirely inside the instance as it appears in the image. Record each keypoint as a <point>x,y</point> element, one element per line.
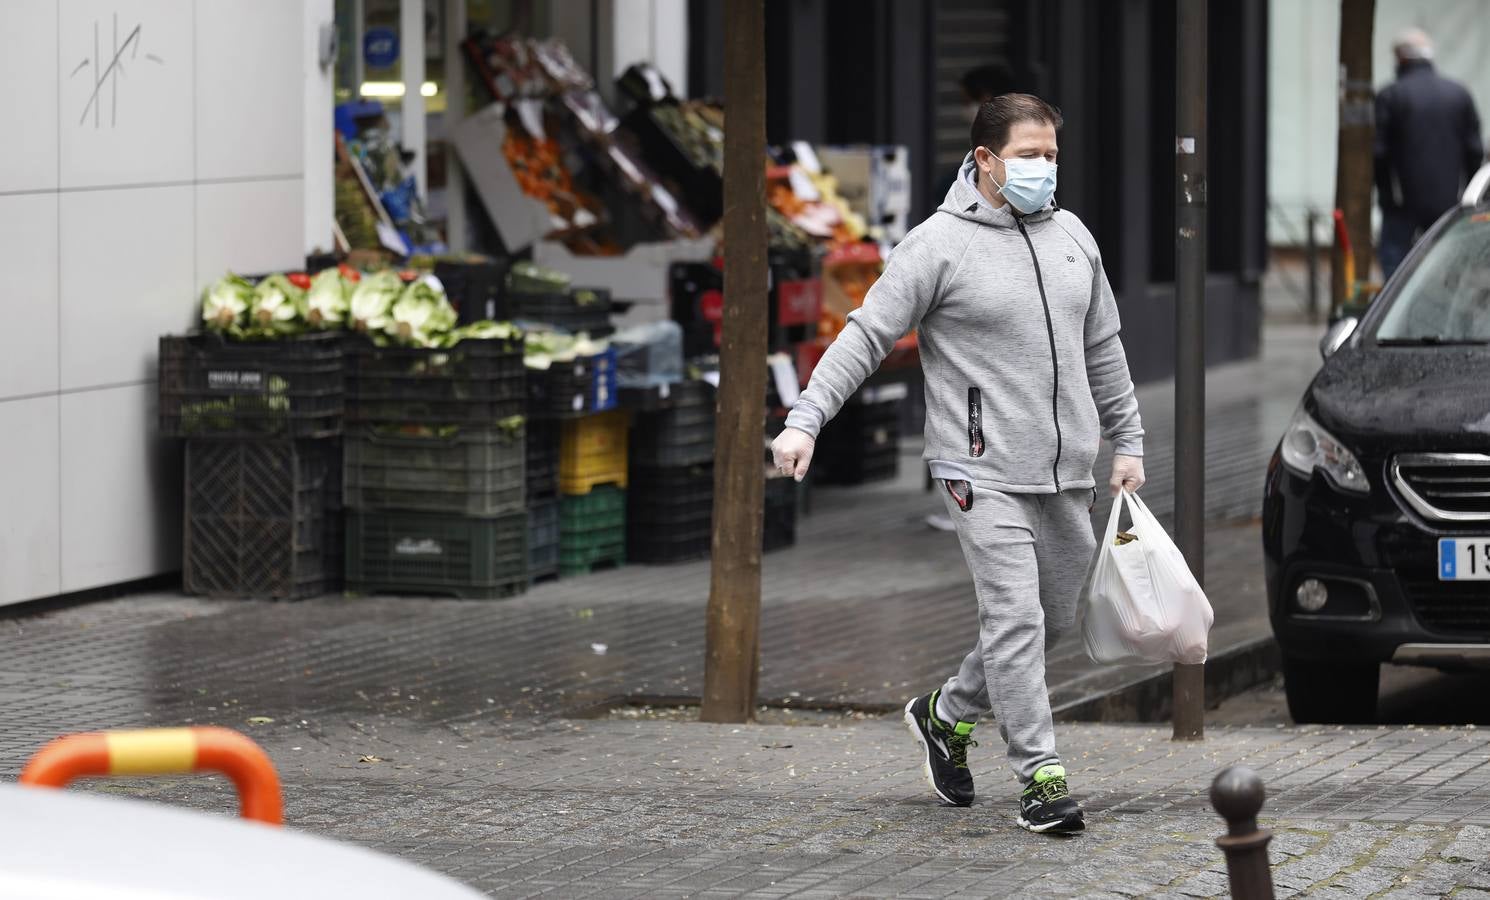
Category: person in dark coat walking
<point>1428,146</point>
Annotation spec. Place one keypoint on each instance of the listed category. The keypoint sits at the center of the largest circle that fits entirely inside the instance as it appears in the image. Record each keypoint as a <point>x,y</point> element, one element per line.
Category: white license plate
<point>1464,559</point>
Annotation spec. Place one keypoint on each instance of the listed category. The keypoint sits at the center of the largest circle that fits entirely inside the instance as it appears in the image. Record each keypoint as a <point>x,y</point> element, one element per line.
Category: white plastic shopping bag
<point>1140,602</point>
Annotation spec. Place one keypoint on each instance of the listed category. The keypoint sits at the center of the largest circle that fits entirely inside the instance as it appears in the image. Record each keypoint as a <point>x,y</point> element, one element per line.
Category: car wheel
<point>1333,693</point>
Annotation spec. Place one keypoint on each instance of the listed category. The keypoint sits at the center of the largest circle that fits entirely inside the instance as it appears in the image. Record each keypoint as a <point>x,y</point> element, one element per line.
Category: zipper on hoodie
<point>1055,367</point>
<point>974,422</point>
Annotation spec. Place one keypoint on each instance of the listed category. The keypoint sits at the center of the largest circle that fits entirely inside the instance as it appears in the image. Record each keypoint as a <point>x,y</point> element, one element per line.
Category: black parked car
<point>1376,518</point>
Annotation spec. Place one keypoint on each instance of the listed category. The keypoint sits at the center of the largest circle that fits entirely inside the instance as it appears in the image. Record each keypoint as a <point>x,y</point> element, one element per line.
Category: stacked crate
<point>435,479</point>
<point>543,499</point>
<point>592,484</point>
<point>671,505</point>
<point>542,296</point>
<point>862,443</point>
<point>262,423</point>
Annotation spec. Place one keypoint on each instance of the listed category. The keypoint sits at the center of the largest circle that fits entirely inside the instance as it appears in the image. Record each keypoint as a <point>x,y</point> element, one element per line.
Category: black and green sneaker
<point>945,748</point>
<point>1046,806</point>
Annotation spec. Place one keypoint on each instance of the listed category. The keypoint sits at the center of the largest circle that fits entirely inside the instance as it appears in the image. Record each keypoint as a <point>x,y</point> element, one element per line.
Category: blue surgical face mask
<point>1029,183</point>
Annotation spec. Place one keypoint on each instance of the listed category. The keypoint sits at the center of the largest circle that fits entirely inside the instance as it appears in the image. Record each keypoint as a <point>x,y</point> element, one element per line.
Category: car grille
<point>1445,487</point>
<point>1448,606</point>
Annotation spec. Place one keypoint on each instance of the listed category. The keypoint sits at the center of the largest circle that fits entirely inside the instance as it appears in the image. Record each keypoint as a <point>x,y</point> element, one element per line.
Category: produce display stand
<point>361,220</point>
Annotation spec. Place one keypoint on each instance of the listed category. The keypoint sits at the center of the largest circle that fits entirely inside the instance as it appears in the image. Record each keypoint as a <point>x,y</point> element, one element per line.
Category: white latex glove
<point>1127,472</point>
<point>792,452</point>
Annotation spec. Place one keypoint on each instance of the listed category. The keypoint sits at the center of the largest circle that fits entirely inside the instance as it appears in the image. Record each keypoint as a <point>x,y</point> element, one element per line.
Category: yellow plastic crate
<point>602,434</point>
<point>582,484</point>
<point>592,451</point>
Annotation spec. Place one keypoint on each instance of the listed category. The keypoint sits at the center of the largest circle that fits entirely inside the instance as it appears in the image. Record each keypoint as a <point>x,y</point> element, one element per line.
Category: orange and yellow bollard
<point>165,751</point>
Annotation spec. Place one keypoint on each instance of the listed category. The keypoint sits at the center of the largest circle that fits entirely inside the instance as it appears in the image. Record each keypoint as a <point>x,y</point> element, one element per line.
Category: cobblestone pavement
<point>645,808</point>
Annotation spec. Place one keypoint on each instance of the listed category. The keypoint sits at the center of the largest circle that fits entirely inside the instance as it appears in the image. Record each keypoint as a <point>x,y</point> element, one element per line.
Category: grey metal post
<point>1237,794</point>
<point>1189,376</point>
<point>1311,259</point>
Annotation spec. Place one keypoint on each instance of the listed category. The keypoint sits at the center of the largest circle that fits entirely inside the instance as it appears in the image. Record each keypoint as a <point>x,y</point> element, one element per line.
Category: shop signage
<point>380,47</point>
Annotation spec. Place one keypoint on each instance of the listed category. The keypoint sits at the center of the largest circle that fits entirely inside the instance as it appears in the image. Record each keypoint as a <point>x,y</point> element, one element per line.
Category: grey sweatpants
<point>1028,554</point>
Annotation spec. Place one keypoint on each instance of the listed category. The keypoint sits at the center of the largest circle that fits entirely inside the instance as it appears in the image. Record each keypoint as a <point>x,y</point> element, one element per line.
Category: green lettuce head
<point>422,316</point>
<point>373,299</point>
<point>225,304</point>
<point>325,305</point>
<point>275,307</point>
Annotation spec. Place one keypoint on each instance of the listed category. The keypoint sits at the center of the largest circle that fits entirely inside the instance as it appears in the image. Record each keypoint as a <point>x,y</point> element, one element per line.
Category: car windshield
<point>1446,298</point>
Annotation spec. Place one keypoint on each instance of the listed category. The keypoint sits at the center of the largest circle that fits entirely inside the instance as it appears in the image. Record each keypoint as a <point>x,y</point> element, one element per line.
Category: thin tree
<point>732,661</point>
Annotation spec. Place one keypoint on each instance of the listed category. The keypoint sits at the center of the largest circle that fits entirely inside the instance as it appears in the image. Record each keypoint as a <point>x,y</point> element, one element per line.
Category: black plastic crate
<point>681,436</point>
<point>673,545</point>
<point>213,387</point>
<point>543,524</point>
<point>861,444</point>
<point>474,287</point>
<point>542,459</point>
<point>848,467</point>
<point>576,310</point>
<point>579,387</point>
<point>422,553</point>
<point>262,518</point>
<point>660,397</point>
<point>543,539</point>
<point>781,514</point>
<point>473,472</point>
<point>476,382</point>
<point>671,495</point>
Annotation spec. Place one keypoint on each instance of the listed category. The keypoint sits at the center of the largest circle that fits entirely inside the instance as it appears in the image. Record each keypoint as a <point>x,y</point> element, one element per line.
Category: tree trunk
<point>732,662</point>
<point>1355,169</point>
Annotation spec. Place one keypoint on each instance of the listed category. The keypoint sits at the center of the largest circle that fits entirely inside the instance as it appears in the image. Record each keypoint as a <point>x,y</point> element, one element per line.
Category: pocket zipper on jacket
<point>974,422</point>
<point>1055,367</point>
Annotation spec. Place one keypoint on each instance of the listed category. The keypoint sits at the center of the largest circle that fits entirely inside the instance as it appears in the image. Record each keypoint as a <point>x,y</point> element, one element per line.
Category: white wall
<point>112,218</point>
<point>319,138</point>
<point>1303,114</point>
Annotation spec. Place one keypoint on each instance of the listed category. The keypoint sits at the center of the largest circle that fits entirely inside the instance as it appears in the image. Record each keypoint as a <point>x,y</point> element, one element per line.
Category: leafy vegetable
<point>225,304</point>
<point>275,307</point>
<point>422,316</point>
<point>326,301</point>
<point>373,299</point>
<point>484,330</point>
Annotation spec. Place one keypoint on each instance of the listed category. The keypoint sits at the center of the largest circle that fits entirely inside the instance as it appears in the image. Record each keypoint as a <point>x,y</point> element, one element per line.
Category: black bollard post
<point>1237,794</point>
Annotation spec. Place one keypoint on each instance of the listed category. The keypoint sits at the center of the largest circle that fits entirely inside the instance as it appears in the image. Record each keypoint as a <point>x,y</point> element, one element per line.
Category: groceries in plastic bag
<point>1141,604</point>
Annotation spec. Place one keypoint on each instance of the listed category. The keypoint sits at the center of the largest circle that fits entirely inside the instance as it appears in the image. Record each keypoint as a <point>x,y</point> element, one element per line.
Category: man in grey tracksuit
<point>1024,375</point>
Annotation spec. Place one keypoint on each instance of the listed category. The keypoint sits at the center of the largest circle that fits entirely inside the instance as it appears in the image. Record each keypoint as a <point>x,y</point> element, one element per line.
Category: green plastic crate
<point>600,508</point>
<point>581,562</point>
<point>421,553</point>
<point>474,472</point>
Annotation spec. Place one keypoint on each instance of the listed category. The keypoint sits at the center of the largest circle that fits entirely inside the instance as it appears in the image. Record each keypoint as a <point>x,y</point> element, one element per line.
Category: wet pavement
<point>475,711</point>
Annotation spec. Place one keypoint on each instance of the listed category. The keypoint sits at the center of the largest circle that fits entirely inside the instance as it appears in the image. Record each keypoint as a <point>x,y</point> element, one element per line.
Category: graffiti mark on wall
<point>109,66</point>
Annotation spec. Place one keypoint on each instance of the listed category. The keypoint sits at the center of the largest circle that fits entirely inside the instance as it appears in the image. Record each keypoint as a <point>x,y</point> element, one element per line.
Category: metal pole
<point>1311,259</point>
<point>732,656</point>
<point>1237,794</point>
<point>1189,376</point>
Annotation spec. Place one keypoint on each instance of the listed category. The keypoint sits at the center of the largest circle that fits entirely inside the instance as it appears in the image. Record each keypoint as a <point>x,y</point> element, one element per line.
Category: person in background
<point>1025,375</point>
<point>1428,146</point>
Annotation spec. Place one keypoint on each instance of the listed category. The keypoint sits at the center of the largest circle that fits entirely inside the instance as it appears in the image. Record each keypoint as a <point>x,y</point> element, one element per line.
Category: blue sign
<point>380,47</point>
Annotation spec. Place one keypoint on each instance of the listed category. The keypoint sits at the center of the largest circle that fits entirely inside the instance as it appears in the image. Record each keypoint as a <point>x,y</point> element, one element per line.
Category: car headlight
<point>1307,446</point>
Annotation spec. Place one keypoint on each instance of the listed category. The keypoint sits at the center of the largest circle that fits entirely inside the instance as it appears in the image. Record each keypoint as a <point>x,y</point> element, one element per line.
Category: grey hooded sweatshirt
<point>1018,331</point>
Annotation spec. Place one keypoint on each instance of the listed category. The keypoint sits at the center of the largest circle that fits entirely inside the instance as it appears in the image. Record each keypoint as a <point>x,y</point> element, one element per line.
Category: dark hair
<point>986,82</point>
<point>997,116</point>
